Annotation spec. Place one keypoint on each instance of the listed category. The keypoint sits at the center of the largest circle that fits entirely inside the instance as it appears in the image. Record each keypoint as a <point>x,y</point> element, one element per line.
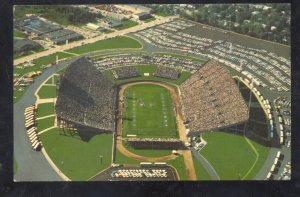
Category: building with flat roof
<point>142,16</point>
<point>36,25</point>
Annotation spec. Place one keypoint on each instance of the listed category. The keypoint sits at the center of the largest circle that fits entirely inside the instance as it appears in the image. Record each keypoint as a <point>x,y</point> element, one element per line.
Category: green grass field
<point>81,159</point>
<point>148,69</point>
<point>201,173</point>
<point>149,112</point>
<point>127,24</point>
<point>232,156</point>
<point>150,19</point>
<point>45,109</point>
<point>47,92</point>
<point>15,166</point>
<point>122,159</point>
<point>114,43</point>
<point>178,163</point>
<point>19,34</point>
<point>45,123</point>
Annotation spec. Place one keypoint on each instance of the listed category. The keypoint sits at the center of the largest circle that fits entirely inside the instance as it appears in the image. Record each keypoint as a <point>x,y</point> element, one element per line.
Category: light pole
<point>101,157</point>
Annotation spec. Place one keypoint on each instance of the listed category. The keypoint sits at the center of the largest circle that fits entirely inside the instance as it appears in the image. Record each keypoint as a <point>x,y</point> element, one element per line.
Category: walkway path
<point>32,165</point>
<point>208,167</point>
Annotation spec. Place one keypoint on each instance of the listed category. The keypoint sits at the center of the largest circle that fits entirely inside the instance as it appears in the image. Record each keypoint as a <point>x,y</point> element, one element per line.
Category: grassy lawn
<point>149,112</point>
<point>52,80</point>
<point>51,58</point>
<point>231,155</point>
<point>19,34</point>
<point>127,24</point>
<point>117,53</point>
<point>114,43</point>
<point>41,61</point>
<point>122,159</point>
<point>201,173</point>
<point>150,19</point>
<point>47,92</point>
<point>148,153</point>
<point>263,155</point>
<point>81,159</point>
<point>18,94</point>
<point>45,109</point>
<point>45,123</point>
<point>148,69</point>
<point>178,163</point>
<point>15,166</point>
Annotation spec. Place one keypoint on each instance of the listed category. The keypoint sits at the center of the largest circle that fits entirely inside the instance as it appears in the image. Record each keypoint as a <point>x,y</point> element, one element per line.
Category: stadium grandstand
<point>168,73</point>
<point>211,99</point>
<point>155,143</point>
<point>125,72</point>
<point>86,97</point>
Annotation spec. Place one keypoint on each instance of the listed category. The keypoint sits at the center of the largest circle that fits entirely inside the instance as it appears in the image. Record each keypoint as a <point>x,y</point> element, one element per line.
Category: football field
<point>148,112</point>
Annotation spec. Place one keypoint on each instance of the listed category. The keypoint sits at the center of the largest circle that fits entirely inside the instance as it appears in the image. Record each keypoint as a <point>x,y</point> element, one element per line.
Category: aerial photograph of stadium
<point>152,92</point>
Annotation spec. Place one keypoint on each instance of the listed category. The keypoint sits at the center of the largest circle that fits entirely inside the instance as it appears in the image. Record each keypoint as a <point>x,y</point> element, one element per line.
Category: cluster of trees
<point>62,14</point>
<point>266,21</point>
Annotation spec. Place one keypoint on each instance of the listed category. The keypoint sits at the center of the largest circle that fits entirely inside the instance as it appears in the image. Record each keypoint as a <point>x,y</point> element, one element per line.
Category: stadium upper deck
<point>211,99</point>
<point>86,97</point>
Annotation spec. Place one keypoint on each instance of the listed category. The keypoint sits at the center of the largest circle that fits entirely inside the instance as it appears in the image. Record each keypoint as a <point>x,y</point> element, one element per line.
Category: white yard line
<point>69,53</point>
<point>45,130</point>
<point>43,117</point>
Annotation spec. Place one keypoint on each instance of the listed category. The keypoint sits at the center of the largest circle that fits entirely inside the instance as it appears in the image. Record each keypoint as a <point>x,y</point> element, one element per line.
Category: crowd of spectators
<point>211,99</point>
<point>126,60</point>
<point>155,143</point>
<point>125,72</point>
<point>168,73</point>
<point>266,68</point>
<point>86,97</point>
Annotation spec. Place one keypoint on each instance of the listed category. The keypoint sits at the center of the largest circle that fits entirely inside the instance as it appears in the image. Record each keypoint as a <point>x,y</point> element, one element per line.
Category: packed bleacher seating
<point>155,143</point>
<point>167,73</point>
<point>211,99</point>
<point>86,97</point>
<point>31,129</point>
<point>125,72</point>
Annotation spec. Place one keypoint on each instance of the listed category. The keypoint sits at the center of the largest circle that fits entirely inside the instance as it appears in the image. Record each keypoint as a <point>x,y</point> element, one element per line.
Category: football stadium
<point>175,103</point>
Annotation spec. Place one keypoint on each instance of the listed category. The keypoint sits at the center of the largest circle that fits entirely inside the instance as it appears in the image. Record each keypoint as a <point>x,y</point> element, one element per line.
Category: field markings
<point>75,54</point>
<point>49,84</point>
<point>43,117</point>
<point>256,159</point>
<point>45,130</point>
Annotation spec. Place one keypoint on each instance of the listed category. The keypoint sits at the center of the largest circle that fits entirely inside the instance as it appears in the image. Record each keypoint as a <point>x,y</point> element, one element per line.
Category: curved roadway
<point>32,165</point>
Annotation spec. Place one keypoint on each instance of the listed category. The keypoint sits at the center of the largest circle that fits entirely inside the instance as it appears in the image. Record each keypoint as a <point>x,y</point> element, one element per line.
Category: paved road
<point>211,171</point>
<point>32,165</point>
<point>92,40</point>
